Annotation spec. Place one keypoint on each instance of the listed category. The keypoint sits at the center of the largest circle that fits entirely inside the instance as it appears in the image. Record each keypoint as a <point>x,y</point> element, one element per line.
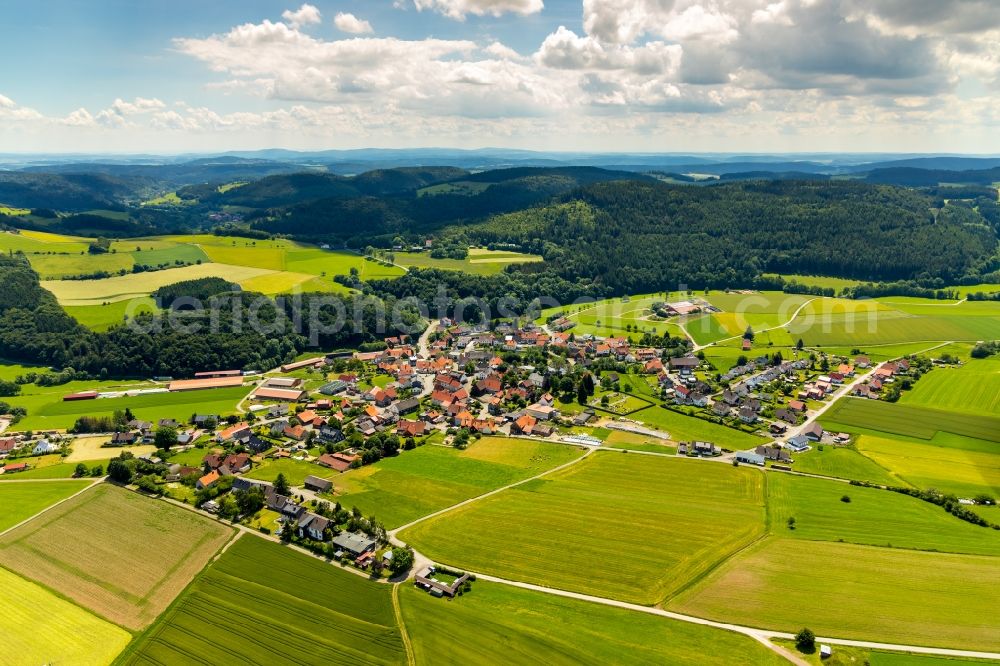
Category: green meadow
<point>871,516</point>
<point>504,624</point>
<point>631,527</point>
<point>102,317</point>
<point>47,410</point>
<point>844,462</point>
<point>681,428</point>
<point>262,603</point>
<point>946,462</point>
<point>852,591</point>
<point>21,501</point>
<point>416,483</point>
<point>269,267</point>
<point>479,261</point>
<point>909,420</point>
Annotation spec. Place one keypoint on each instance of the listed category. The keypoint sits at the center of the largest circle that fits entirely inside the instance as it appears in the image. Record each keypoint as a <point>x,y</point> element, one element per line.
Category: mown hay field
<point>895,327</point>
<point>909,420</point>
<point>129,557</point>
<point>38,627</point>
<point>850,591</point>
<point>20,501</point>
<point>873,516</point>
<point>89,449</point>
<point>624,526</point>
<point>501,624</point>
<point>430,478</point>
<point>974,387</point>
<point>261,603</point>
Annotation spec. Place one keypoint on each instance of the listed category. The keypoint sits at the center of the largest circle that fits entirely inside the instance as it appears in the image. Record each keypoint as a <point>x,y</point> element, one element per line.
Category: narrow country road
<point>795,314</point>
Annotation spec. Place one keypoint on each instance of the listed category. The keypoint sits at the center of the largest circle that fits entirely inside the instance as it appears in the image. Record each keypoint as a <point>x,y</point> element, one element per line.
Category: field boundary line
<point>392,533</point>
<point>51,506</point>
<point>763,636</point>
<point>410,658</point>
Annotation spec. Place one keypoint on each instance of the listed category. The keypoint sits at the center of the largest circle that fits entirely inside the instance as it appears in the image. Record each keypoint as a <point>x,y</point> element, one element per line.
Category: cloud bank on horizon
<point>736,75</point>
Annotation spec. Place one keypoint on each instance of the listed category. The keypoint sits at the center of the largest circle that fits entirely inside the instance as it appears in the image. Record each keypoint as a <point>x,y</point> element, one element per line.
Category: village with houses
<point>304,424</point>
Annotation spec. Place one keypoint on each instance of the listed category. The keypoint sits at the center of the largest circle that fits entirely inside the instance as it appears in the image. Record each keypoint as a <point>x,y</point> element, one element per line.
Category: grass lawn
<point>909,420</point>
<point>850,591</point>
<point>38,627</point>
<point>21,501</point>
<point>500,624</point>
<point>295,471</point>
<point>47,410</point>
<point>430,478</point>
<point>261,603</point>
<point>630,527</point>
<point>682,428</point>
<point>130,556</point>
<point>844,462</point>
<point>974,388</point>
<point>873,517</point>
<point>947,462</point>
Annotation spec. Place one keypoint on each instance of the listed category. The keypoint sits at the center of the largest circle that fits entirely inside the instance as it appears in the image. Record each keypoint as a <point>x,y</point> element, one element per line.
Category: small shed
<point>317,484</point>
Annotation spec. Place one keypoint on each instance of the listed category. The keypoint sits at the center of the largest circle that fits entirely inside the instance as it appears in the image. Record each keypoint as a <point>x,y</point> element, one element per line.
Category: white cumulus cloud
<point>303,16</point>
<point>459,9</point>
<point>351,24</point>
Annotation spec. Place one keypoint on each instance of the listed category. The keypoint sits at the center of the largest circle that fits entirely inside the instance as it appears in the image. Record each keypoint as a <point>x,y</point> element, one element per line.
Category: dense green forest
<point>34,329</point>
<point>633,237</point>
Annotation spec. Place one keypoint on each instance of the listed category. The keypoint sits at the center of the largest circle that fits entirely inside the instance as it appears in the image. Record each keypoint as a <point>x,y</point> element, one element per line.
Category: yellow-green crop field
<point>629,526</point>
<point>38,627</point>
<point>946,462</point>
<point>266,266</point>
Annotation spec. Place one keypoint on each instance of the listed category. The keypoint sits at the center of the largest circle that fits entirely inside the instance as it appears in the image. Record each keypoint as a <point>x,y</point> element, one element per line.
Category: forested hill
<point>634,236</point>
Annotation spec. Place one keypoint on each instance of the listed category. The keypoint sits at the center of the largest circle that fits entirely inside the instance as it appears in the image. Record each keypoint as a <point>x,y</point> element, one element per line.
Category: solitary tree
<point>81,470</point>
<point>791,522</point>
<point>402,560</point>
<point>281,485</point>
<point>165,438</point>
<point>805,640</point>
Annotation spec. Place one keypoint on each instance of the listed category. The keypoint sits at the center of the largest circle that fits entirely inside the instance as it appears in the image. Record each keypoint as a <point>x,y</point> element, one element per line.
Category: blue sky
<point>670,75</point>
